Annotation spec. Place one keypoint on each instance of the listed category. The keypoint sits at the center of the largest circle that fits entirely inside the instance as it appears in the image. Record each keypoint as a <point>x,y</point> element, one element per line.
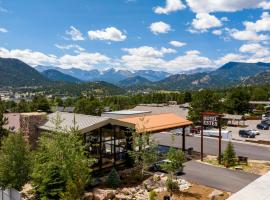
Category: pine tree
<point>3,122</point>
<point>113,179</point>
<point>15,162</point>
<point>229,155</point>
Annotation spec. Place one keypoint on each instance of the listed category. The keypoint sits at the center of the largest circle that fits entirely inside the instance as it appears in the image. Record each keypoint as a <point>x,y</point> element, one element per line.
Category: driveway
<point>216,177</point>
<point>252,151</point>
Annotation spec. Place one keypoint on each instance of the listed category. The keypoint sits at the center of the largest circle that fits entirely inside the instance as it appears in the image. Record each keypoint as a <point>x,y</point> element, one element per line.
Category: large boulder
<point>215,194</point>
<point>88,196</point>
<point>100,194</point>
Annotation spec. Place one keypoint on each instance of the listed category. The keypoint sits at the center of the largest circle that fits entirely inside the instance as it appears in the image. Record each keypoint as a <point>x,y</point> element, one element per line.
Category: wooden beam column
<point>100,148</point>
<point>114,146</point>
<point>184,139</point>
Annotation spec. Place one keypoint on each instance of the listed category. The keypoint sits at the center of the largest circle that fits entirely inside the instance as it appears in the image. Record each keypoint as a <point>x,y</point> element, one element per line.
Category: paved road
<point>254,152</point>
<point>215,177</point>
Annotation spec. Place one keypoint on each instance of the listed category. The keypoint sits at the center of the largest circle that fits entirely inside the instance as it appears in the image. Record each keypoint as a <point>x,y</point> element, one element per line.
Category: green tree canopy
<point>203,101</point>
<point>237,101</point>
<point>15,162</point>
<point>61,166</point>
<point>40,103</point>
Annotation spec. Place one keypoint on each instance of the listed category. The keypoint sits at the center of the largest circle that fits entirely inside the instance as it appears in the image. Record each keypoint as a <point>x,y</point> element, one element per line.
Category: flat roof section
<point>127,112</point>
<point>158,122</point>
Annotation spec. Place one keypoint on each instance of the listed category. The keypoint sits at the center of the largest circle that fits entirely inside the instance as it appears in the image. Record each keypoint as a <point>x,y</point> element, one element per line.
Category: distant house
<point>63,109</point>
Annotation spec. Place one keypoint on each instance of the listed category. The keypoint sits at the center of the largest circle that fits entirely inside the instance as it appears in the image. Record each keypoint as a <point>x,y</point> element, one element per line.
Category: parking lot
<point>251,124</point>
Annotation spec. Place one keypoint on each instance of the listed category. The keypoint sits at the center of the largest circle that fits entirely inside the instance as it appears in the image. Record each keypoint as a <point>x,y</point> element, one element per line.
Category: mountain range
<point>110,75</point>
<point>14,72</point>
<point>262,78</point>
<point>56,75</point>
<point>18,74</point>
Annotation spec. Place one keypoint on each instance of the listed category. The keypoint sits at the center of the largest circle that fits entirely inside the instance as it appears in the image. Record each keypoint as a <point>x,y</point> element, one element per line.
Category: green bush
<point>113,179</point>
<point>229,155</point>
<point>171,185</point>
<point>152,195</point>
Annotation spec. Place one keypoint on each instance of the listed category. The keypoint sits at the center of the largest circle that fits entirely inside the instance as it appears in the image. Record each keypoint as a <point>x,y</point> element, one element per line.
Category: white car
<point>254,131</point>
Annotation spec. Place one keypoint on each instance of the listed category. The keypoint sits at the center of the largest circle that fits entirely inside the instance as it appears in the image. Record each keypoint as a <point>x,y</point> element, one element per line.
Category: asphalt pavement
<point>252,151</point>
<point>216,177</point>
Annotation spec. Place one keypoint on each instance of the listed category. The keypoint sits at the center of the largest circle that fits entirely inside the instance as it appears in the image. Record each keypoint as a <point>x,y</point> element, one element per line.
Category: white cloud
<point>147,51</point>
<point>262,24</point>
<point>247,35</point>
<point>110,33</point>
<point>171,6</point>
<point>3,30</point>
<point>224,19</point>
<point>28,56</point>
<point>160,27</point>
<point>251,48</point>
<point>74,34</point>
<point>190,60</point>
<point>265,5</point>
<point>150,58</point>
<point>209,6</point>
<point>217,32</point>
<point>145,57</point>
<point>252,29</point>
<point>82,60</point>
<point>70,46</point>
<point>256,49</point>
<point>229,58</point>
<point>204,21</point>
<point>177,43</point>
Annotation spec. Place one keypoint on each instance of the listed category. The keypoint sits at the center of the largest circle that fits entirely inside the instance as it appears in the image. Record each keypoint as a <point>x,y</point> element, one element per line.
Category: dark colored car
<point>263,126</point>
<point>157,167</point>
<point>266,121</point>
<point>246,134</point>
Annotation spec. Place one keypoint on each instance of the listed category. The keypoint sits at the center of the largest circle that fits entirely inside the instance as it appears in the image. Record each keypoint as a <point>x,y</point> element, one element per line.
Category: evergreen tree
<point>66,151</point>
<point>113,179</point>
<point>3,122</point>
<point>14,162</point>
<point>229,155</point>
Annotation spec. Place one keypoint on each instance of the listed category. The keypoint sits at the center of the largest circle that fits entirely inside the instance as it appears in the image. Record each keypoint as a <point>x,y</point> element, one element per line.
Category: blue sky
<point>170,35</point>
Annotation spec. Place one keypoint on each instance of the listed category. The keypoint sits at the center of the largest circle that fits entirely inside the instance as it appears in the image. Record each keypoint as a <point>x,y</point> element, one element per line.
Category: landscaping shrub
<point>171,185</point>
<point>152,195</point>
<point>113,179</point>
<point>229,155</point>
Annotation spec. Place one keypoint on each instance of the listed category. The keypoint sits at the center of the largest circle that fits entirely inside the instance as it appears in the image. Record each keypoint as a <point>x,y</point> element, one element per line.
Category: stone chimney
<point>29,123</point>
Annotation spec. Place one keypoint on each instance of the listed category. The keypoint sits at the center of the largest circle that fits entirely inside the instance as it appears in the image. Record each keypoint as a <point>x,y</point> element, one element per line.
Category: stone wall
<point>29,123</point>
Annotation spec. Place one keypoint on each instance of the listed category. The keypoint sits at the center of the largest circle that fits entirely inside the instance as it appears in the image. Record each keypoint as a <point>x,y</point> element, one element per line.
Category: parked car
<point>266,116</point>
<point>263,126</point>
<point>256,132</point>
<point>157,167</point>
<point>266,121</point>
<point>246,134</point>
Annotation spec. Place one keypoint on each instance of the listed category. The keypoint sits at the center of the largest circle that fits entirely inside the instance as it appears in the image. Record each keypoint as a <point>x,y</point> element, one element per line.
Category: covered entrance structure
<point>158,123</point>
<point>109,140</point>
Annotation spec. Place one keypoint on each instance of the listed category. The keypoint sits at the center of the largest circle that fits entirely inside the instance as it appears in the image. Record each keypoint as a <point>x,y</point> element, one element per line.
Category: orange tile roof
<point>159,122</point>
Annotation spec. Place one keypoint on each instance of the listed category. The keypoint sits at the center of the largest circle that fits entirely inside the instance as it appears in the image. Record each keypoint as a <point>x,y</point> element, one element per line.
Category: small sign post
<point>211,119</point>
